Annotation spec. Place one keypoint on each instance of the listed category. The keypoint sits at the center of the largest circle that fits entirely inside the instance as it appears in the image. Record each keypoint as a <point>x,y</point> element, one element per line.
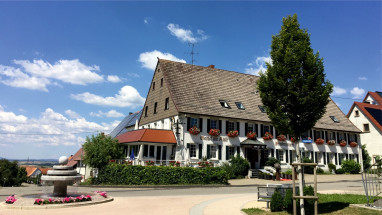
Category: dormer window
<point>262,109</point>
<point>240,105</point>
<point>356,113</point>
<point>224,104</point>
<point>334,119</point>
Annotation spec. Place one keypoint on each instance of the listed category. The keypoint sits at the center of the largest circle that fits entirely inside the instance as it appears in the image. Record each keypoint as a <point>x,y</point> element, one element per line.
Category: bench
<point>264,194</point>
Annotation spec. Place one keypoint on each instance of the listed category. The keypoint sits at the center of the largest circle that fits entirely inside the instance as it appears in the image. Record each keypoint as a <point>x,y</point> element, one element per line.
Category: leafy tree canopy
<point>11,174</point>
<point>294,90</point>
<point>100,149</point>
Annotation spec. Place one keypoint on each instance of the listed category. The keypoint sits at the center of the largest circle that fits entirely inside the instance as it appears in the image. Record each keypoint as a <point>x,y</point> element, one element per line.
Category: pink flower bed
<point>102,193</point>
<point>10,199</point>
<point>81,198</point>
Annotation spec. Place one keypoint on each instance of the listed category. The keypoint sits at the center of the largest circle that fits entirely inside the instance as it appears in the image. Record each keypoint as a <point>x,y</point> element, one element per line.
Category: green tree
<point>11,174</point>
<point>365,158</point>
<point>100,149</point>
<point>294,90</point>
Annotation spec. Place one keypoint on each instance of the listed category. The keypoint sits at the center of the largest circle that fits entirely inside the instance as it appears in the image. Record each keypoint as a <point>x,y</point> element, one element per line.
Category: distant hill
<point>32,160</point>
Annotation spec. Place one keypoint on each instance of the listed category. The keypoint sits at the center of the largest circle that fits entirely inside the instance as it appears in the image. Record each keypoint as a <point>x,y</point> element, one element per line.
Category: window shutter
<point>277,154</point>
<point>273,153</point>
<point>238,127</point>
<point>188,123</point>
<point>208,151</point>
<point>347,139</point>
<point>188,146</point>
<point>246,128</point>
<point>311,134</point>
<point>227,153</point>
<point>336,137</point>
<point>322,135</point>
<point>286,156</point>
<point>335,159</point>
<point>220,126</point>
<point>220,152</point>
<point>326,136</point>
<point>201,124</point>
<point>291,158</point>
<point>328,157</point>
<point>324,156</point>
<point>226,126</point>
<point>261,131</point>
<point>238,151</point>
<point>315,157</point>
<point>357,158</point>
<point>200,151</point>
<point>208,125</point>
<point>257,129</point>
<point>347,156</point>
<point>271,131</point>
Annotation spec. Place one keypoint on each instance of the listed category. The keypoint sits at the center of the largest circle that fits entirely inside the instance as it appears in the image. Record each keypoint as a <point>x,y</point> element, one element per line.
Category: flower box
<point>233,133</point>
<point>149,163</point>
<point>251,135</point>
<point>175,163</point>
<point>205,164</point>
<point>331,142</point>
<point>353,144</point>
<point>214,132</point>
<point>292,139</point>
<point>194,130</point>
<point>343,143</point>
<point>281,137</point>
<point>319,141</point>
<point>267,136</point>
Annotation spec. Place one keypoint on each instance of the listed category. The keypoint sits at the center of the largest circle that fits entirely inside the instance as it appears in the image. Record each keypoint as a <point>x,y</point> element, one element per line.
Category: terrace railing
<point>372,181</point>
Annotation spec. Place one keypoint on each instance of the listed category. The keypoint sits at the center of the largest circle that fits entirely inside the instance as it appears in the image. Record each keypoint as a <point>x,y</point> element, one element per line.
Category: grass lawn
<point>329,204</point>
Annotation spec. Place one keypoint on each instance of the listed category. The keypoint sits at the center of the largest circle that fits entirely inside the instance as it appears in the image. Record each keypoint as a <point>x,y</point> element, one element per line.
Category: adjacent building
<point>215,114</point>
<point>367,116</point>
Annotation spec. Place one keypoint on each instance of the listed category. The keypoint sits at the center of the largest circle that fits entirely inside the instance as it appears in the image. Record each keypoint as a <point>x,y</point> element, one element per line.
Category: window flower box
<point>353,144</point>
<point>194,130</point>
<point>251,135</point>
<point>319,141</point>
<point>281,137</point>
<point>292,139</point>
<point>343,143</point>
<point>214,132</point>
<point>331,142</point>
<point>205,164</point>
<point>233,133</point>
<point>175,163</point>
<point>149,163</point>
<point>267,136</point>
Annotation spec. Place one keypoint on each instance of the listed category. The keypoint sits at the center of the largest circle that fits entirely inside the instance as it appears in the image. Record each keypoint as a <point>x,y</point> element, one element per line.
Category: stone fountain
<point>61,176</point>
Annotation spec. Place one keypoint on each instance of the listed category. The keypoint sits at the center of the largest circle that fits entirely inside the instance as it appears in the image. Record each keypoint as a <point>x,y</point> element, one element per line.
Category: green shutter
<point>238,151</point>
<point>188,123</point>
<point>227,153</point>
<point>238,127</point>
<point>226,127</point>
<point>208,151</point>
<point>286,156</point>
<point>277,154</point>
<point>201,124</point>
<point>208,125</point>
<point>246,128</point>
<point>220,152</point>
<point>324,156</point>
<point>200,150</point>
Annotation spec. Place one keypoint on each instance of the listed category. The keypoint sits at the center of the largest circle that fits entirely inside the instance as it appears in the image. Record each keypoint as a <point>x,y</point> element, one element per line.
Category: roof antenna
<point>192,53</point>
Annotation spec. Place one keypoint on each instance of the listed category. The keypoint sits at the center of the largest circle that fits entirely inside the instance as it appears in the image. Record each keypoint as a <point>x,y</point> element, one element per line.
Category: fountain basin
<point>62,172</point>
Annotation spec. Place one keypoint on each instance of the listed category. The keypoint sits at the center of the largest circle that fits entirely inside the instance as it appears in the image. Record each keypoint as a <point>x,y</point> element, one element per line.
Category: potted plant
<point>251,135</point>
<point>343,143</point>
<point>292,139</point>
<point>353,144</point>
<point>214,132</point>
<point>281,137</point>
<point>331,142</point>
<point>267,136</point>
<point>233,133</point>
<point>194,130</point>
<point>319,141</point>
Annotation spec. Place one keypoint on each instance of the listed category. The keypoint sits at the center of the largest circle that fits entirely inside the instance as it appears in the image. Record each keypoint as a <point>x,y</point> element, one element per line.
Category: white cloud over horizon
<point>114,79</point>
<point>111,114</point>
<point>338,91</point>
<point>357,92</point>
<point>363,78</point>
<point>127,96</point>
<point>258,65</point>
<point>149,59</point>
<point>186,35</point>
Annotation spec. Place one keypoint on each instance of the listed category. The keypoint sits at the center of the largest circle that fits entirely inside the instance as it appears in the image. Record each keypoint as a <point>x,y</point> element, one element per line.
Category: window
<point>161,82</point>
<point>251,127</point>
<point>153,85</point>
<point>341,136</point>
<point>224,104</point>
<point>192,150</point>
<point>151,151</point>
<point>166,104</point>
<point>213,151</point>
<point>267,128</point>
<point>366,127</point>
<point>305,135</point>
<point>356,113</point>
<point>319,158</point>
<point>213,124</point>
<point>193,122</point>
<point>334,119</point>
<point>155,107</point>
<point>145,150</point>
<point>352,137</point>
<point>331,136</point>
<point>281,155</point>
<point>231,126</point>
<point>146,108</point>
<point>240,105</point>
<point>231,152</point>
<point>262,109</point>
<point>318,134</point>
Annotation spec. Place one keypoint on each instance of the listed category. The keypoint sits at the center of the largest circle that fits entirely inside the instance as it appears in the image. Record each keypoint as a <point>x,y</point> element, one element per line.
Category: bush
<point>288,200</point>
<point>340,171</point>
<point>228,168</point>
<point>276,202</point>
<point>332,167</point>
<point>350,166</point>
<point>240,166</point>
<point>308,169</point>
<point>115,174</point>
<point>271,162</point>
<point>320,171</point>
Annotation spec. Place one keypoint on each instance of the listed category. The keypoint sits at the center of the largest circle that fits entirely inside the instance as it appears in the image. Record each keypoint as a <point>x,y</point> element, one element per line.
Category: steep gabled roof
<point>377,96</point>
<point>371,112</point>
<point>30,170</point>
<point>197,90</point>
<point>128,121</point>
<point>147,135</point>
<point>76,157</point>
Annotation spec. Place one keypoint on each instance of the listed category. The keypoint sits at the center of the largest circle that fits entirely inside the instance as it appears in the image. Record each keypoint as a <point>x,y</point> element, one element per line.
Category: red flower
<point>353,144</point>
<point>331,142</point>
<point>319,141</point>
<point>214,132</point>
<point>233,133</point>
<point>251,135</point>
<point>194,130</point>
<point>267,136</point>
<point>343,143</point>
<point>281,137</point>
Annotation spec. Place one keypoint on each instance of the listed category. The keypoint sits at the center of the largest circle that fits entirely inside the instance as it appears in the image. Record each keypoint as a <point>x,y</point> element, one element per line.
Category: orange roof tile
<point>44,171</point>
<point>147,135</point>
<point>76,157</point>
<point>376,97</point>
<point>30,170</point>
<point>362,107</point>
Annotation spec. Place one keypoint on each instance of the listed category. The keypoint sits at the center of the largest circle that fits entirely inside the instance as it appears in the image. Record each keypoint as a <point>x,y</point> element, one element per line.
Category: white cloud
<point>111,113</point>
<point>186,35</point>
<point>149,59</point>
<point>257,66</point>
<point>146,20</point>
<point>133,74</point>
<point>357,92</point>
<point>16,78</point>
<point>51,128</point>
<point>338,91</point>
<point>127,96</point>
<point>113,79</point>
<point>363,78</point>
<point>72,114</point>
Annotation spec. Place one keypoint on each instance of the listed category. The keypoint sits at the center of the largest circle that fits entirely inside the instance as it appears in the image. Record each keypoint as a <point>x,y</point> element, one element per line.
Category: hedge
<point>120,174</point>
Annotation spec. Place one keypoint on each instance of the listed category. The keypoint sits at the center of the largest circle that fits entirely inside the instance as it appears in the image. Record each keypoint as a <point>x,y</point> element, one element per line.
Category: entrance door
<point>252,157</point>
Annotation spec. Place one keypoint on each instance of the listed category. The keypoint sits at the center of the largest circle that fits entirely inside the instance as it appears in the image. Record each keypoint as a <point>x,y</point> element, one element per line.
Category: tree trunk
<point>300,176</point>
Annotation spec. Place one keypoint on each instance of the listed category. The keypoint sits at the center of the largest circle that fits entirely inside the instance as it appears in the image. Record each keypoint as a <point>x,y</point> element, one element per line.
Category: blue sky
<point>72,69</point>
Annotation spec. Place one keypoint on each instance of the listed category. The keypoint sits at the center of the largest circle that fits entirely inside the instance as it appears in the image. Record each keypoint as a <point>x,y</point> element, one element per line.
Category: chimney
<point>211,66</point>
